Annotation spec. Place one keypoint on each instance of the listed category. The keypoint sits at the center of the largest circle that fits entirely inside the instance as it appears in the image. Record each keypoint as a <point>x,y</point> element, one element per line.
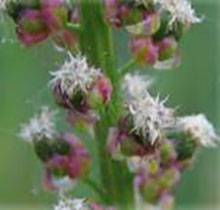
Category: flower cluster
<point>78,204</point>
<point>153,142</point>
<point>156,144</point>
<point>156,26</point>
<point>81,89</point>
<point>38,20</point>
<point>64,157</point>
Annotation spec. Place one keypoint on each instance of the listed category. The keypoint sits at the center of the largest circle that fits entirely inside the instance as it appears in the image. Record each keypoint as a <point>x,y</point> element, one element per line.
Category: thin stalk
<point>92,28</point>
<point>130,65</point>
<point>74,28</point>
<point>93,185</point>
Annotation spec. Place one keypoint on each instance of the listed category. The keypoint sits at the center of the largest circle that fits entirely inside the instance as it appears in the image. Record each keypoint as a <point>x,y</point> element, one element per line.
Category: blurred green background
<point>193,88</point>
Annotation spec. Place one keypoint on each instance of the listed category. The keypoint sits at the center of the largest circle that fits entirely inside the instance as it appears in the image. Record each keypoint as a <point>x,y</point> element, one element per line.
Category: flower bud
<point>148,26</point>
<point>168,152</point>
<point>144,50</point>
<point>58,165</point>
<point>167,48</point>
<point>32,28</point>
<point>101,92</point>
<point>55,17</point>
<point>69,159</point>
<point>43,150</point>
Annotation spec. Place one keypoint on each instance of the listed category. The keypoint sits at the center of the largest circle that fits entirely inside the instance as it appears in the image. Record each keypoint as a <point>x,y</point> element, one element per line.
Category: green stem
<point>130,65</point>
<point>97,44</point>
<point>91,183</point>
<point>74,28</point>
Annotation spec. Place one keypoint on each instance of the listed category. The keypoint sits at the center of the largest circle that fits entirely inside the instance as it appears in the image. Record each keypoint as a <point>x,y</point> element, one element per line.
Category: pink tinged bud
<point>65,40</point>
<point>167,202</point>
<point>111,11</point>
<point>172,63</point>
<point>167,48</point>
<point>168,152</point>
<point>101,92</point>
<point>80,161</point>
<point>52,3</point>
<point>115,140</point>
<point>32,28</point>
<point>58,165</point>
<point>82,121</point>
<point>144,50</point>
<point>169,178</point>
<point>148,26</point>
<point>55,17</point>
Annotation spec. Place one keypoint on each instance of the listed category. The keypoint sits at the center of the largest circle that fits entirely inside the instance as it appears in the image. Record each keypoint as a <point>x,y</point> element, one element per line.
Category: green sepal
<point>43,150</point>
<point>60,147</point>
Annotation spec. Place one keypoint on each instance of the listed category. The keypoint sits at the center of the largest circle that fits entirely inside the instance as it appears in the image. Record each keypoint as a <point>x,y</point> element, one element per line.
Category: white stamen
<point>180,10</point>
<point>150,116</point>
<point>199,128</point>
<point>40,126</point>
<point>3,4</point>
<point>74,75</point>
<point>72,204</point>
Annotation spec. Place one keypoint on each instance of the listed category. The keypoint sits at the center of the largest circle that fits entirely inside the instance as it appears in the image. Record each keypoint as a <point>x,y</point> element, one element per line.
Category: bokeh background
<point>194,88</point>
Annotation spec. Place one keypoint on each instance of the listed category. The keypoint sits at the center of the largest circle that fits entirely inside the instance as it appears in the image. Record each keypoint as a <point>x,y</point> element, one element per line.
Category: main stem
<point>96,42</point>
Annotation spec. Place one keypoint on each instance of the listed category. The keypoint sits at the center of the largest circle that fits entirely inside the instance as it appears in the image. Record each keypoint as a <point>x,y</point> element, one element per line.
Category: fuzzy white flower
<point>3,4</point>
<point>199,128</point>
<point>40,126</point>
<point>74,75</point>
<point>150,116</point>
<point>72,204</point>
<point>180,10</point>
<point>135,86</point>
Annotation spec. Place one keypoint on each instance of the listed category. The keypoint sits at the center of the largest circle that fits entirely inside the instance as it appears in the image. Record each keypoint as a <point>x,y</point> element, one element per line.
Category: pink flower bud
<point>167,48</point>
<point>55,17</point>
<point>144,50</point>
<point>148,26</point>
<point>32,28</point>
<point>74,165</point>
<point>101,92</point>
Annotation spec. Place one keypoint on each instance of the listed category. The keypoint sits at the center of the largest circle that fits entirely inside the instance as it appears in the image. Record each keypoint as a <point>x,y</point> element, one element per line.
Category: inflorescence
<point>155,144</point>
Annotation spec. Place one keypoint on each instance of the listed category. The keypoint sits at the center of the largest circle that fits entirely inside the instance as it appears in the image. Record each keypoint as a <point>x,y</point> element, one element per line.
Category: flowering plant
<point>143,146</point>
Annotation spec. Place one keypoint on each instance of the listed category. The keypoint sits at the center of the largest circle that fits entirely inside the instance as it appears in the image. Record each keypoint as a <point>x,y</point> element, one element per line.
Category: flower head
<point>150,116</point>
<point>135,86</point>
<point>180,10</point>
<point>74,75</point>
<point>40,126</point>
<point>3,4</point>
<point>72,204</point>
<point>199,128</point>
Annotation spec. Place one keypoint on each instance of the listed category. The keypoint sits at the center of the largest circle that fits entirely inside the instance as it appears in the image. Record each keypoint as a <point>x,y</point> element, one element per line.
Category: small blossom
<point>144,50</point>
<point>180,10</point>
<point>135,86</point>
<point>32,28</point>
<point>150,116</point>
<point>40,126</point>
<point>74,75</point>
<point>148,26</point>
<point>72,204</point>
<point>199,128</point>
<point>3,4</point>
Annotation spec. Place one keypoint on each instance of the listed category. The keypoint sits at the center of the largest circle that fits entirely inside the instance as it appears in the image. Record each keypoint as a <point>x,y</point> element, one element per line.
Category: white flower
<point>199,128</point>
<point>180,10</point>
<point>74,75</point>
<point>135,86</point>
<point>40,126</point>
<point>3,4</point>
<point>150,116</point>
<point>72,204</point>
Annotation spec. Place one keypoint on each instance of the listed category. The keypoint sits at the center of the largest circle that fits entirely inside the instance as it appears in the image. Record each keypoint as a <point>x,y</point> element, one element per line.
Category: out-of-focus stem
<point>130,65</point>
